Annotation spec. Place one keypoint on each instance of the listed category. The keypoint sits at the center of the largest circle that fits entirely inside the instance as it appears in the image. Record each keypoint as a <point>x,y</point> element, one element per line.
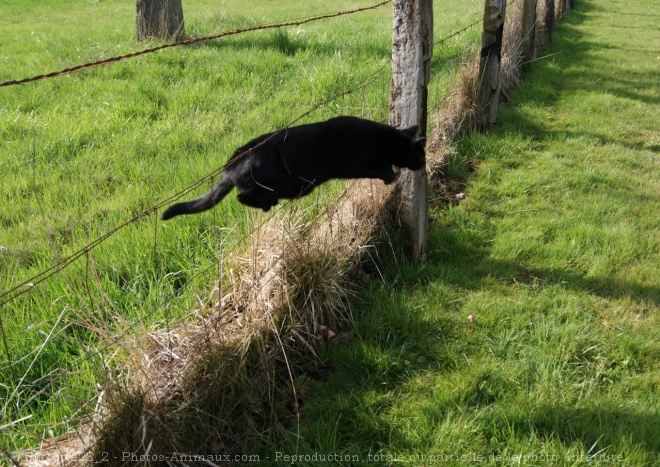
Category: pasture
<point>529,336</point>
<point>86,153</point>
<point>529,333</point>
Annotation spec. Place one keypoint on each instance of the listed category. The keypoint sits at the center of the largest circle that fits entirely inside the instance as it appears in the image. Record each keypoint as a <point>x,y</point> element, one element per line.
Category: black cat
<point>289,163</point>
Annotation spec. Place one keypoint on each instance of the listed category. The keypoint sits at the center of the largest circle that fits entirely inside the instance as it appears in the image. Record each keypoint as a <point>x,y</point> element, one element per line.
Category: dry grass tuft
<point>512,50</point>
<point>208,385</point>
<point>457,114</point>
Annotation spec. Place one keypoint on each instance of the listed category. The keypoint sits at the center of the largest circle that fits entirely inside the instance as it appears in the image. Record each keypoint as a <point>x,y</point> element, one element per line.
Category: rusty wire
<point>117,338</point>
<point>28,285</point>
<point>454,34</point>
<point>278,24</point>
<point>25,286</point>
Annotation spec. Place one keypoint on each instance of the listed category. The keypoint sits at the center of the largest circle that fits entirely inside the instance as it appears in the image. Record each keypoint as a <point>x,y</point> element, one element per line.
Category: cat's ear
<point>412,131</point>
<point>419,141</point>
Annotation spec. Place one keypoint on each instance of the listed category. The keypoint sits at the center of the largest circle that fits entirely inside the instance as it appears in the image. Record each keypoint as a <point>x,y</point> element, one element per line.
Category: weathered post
<point>159,19</point>
<point>548,21</point>
<point>561,9</point>
<point>412,49</point>
<point>529,31</point>
<point>488,91</point>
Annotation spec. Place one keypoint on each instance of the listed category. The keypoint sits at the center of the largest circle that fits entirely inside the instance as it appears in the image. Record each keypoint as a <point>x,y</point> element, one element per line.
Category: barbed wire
<point>332,207</point>
<point>28,284</point>
<point>471,25</point>
<point>278,24</point>
<point>457,33</point>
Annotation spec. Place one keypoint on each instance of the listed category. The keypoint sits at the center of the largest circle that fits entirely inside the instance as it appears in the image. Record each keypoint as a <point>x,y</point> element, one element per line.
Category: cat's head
<point>412,155</point>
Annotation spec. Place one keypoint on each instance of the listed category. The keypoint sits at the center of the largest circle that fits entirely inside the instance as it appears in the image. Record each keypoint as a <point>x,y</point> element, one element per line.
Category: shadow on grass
<point>289,44</point>
<point>594,426</point>
<point>476,266</point>
<point>397,345</point>
<point>398,349</point>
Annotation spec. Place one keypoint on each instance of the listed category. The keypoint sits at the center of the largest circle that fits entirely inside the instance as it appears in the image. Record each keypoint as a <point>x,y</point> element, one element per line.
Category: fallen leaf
<point>294,407</point>
<point>327,334</point>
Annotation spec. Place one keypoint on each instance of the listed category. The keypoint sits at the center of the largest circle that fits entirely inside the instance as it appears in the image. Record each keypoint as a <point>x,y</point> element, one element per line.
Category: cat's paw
<point>269,204</point>
<point>388,178</point>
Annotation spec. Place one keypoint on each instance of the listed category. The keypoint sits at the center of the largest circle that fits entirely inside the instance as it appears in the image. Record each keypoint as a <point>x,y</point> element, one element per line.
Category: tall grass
<point>89,151</point>
<point>529,335</point>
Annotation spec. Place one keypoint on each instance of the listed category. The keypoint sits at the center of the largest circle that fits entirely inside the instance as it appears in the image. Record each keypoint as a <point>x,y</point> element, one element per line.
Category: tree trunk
<point>159,19</point>
<point>412,49</point>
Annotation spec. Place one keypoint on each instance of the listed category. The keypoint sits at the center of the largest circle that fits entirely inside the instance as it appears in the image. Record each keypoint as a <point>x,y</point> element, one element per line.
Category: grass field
<point>85,153</point>
<point>530,334</point>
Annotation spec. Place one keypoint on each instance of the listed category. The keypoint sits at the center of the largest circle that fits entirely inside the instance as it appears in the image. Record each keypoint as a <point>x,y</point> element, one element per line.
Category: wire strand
<point>280,24</point>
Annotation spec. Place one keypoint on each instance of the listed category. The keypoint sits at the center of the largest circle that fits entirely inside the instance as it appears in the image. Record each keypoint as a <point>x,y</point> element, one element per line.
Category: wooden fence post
<point>561,10</point>
<point>548,21</point>
<point>529,31</point>
<point>162,19</point>
<point>412,49</point>
<point>488,92</point>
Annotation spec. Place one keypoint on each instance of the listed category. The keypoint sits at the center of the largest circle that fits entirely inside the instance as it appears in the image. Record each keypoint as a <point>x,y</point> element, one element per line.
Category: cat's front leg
<point>381,171</point>
<point>388,177</point>
<point>384,172</point>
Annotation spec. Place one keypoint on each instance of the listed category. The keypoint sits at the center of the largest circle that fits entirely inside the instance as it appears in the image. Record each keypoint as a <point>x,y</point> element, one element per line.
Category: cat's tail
<point>207,201</point>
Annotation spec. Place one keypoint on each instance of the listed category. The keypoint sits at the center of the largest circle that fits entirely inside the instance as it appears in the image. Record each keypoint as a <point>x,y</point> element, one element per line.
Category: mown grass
<point>85,153</point>
<point>530,334</point>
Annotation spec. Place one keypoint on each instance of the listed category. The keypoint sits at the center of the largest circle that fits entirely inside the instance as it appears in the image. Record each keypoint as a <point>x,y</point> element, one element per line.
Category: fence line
<point>29,284</point>
<point>277,24</point>
<point>118,337</point>
<point>26,286</point>
<point>264,26</point>
<point>10,294</point>
<point>62,264</point>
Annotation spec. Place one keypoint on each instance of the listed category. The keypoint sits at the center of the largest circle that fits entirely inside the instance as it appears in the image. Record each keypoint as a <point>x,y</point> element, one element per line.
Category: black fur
<point>291,162</point>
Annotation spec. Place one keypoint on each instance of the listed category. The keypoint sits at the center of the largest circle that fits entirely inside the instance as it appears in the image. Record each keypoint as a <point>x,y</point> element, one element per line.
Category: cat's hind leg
<point>252,199</point>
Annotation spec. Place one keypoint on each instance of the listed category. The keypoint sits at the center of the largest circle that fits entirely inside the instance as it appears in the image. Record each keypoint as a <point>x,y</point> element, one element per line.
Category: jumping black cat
<point>291,162</point>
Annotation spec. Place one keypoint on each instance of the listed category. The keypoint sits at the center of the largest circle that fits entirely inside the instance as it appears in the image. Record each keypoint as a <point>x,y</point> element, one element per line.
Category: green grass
<point>530,334</point>
<point>85,153</point>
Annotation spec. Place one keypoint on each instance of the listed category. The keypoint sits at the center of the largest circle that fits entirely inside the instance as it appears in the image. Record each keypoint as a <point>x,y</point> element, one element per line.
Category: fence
<point>271,273</point>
